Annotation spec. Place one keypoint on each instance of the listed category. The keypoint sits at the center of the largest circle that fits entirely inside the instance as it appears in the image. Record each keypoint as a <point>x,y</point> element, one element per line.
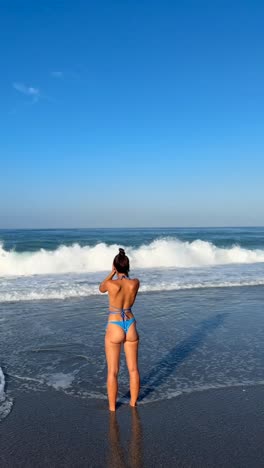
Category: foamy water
<point>162,253</point>
<point>5,402</point>
<point>199,311</point>
<point>189,341</point>
<point>162,265</point>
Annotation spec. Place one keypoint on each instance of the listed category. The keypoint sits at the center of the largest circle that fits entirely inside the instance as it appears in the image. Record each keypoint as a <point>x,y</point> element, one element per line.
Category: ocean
<point>199,311</point>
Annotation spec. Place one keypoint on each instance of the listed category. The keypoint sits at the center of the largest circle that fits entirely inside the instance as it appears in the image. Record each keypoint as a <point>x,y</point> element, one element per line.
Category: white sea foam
<point>161,253</point>
<point>60,380</point>
<point>165,264</point>
<point>2,384</point>
<point>5,402</point>
<point>170,393</point>
<point>86,291</point>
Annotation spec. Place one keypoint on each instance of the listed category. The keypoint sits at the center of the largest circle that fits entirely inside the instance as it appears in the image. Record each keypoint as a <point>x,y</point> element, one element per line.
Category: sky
<point>131,113</point>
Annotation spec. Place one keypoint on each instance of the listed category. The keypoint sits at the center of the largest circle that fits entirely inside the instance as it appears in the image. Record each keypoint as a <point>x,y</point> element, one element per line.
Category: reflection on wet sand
<point>118,455</point>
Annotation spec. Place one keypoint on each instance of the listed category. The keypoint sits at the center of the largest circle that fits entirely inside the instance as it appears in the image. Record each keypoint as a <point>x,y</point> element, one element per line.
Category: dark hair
<point>121,262</point>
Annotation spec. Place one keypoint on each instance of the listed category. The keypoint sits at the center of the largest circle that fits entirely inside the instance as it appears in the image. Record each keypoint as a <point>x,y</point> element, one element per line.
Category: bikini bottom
<point>125,324</point>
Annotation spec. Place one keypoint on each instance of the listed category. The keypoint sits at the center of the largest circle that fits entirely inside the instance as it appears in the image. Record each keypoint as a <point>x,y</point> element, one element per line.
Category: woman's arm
<point>103,286</point>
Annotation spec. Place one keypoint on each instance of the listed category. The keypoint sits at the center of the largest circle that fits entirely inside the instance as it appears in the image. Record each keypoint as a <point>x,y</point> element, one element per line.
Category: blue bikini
<point>126,323</point>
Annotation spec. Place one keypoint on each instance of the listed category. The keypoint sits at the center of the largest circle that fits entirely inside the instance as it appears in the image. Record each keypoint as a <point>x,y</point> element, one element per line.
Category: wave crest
<point>161,253</point>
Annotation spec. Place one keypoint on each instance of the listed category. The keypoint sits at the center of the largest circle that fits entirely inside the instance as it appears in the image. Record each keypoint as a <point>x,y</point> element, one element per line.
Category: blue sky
<point>131,113</point>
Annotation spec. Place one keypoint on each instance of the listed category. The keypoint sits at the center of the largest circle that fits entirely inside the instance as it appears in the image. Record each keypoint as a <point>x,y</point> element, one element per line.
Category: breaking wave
<point>161,253</point>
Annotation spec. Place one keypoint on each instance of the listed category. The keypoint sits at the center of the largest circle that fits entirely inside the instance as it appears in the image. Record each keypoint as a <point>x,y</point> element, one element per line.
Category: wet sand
<point>213,428</point>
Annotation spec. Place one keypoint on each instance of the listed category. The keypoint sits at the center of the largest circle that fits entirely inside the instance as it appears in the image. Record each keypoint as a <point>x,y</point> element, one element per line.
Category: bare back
<point>122,292</point>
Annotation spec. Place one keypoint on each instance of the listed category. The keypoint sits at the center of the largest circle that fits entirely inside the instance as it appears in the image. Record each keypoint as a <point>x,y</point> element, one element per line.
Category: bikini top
<point>120,311</point>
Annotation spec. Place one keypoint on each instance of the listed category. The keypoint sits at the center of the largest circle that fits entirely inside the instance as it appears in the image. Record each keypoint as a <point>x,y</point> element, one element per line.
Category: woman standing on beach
<point>121,328</point>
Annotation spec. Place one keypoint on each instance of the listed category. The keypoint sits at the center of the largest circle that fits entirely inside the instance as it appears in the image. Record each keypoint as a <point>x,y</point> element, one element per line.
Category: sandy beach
<point>214,428</point>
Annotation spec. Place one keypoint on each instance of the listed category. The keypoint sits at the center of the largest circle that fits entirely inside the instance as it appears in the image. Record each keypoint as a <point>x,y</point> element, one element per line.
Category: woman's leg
<point>113,340</point>
<point>131,351</point>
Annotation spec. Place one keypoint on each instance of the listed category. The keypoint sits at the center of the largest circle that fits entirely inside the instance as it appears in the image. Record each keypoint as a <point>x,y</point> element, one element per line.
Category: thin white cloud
<point>57,74</point>
<point>28,91</point>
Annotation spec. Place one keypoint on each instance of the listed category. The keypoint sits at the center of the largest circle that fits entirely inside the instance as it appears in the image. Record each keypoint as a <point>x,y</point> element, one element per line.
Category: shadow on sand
<point>168,363</point>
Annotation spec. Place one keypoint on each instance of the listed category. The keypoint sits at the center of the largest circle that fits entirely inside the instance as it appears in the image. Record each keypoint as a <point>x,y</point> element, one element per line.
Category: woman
<point>121,328</point>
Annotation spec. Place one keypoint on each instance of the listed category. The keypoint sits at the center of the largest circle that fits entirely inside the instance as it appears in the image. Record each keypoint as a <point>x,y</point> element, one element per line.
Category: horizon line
<point>127,227</point>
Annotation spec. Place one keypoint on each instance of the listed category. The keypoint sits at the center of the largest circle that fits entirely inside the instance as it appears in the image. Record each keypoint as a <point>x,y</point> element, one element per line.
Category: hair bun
<point>122,252</point>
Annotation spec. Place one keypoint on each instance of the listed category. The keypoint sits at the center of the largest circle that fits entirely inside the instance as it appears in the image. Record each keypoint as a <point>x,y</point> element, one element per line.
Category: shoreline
<point>216,427</point>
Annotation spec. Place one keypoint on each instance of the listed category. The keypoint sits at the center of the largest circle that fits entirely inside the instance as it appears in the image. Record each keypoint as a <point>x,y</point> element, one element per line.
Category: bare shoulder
<point>109,286</point>
<point>113,285</point>
<point>103,287</point>
<point>136,282</point>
